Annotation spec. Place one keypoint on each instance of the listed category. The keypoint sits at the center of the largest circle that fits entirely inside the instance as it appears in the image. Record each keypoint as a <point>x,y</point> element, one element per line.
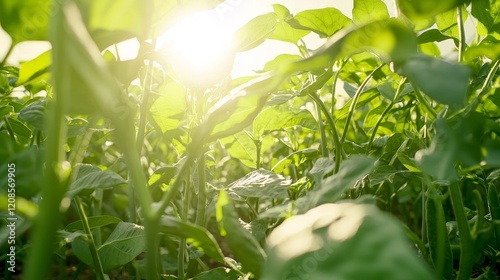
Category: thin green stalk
<point>93,249</point>
<point>182,243</point>
<point>466,241</point>
<point>202,193</point>
<point>387,109</point>
<point>334,85</point>
<point>421,99</point>
<point>461,34</point>
<point>355,102</point>
<point>339,152</point>
<point>324,147</point>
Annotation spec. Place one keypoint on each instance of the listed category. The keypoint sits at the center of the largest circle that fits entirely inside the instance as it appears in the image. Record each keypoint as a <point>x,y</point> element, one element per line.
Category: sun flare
<point>199,49</point>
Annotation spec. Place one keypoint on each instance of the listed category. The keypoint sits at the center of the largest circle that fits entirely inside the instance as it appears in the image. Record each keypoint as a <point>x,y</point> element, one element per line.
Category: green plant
<point>267,177</point>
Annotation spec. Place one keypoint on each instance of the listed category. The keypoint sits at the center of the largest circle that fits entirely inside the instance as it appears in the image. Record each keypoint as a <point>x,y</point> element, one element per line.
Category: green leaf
<point>389,39</point>
<point>219,273</point>
<point>125,243</point>
<point>331,242</point>
<point>426,8</point>
<point>431,35</point>
<point>324,22</point>
<point>201,238</point>
<point>295,158</point>
<point>283,30</point>
<point>365,11</point>
<point>19,128</point>
<point>282,117</point>
<point>489,50</point>
<point>25,20</point>
<point>255,32</point>
<point>80,74</point>
<point>242,243</point>
<point>261,183</point>
<point>331,188</point>
<point>94,222</point>
<point>281,59</point>
<point>29,166</point>
<point>487,12</point>
<point>447,23</point>
<point>35,69</point>
<point>91,177</point>
<point>442,81</point>
<point>170,107</point>
<point>33,114</point>
<point>321,167</point>
<point>240,146</point>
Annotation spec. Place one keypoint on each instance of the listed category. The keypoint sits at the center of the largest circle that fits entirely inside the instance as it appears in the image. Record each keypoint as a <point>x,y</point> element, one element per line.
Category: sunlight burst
<point>199,49</point>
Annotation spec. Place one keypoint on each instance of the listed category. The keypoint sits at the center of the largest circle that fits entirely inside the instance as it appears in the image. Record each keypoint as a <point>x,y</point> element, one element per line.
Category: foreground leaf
<point>261,183</point>
<point>91,177</point>
<point>333,241</point>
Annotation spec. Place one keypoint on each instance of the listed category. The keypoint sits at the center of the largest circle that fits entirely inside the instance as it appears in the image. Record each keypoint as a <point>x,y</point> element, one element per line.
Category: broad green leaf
<point>365,11</point>
<point>281,59</point>
<point>19,128</point>
<point>426,8</point>
<point>282,117</point>
<point>80,74</point>
<point>321,167</point>
<point>295,158</point>
<point>25,20</point>
<point>324,22</point>
<point>111,22</point>
<point>94,222</point>
<point>201,238</point>
<point>35,69</point>
<point>447,22</point>
<point>240,146</point>
<point>431,35</point>
<point>382,173</point>
<point>489,50</point>
<point>255,32</point>
<point>33,114</point>
<point>170,107</point>
<point>487,12</point>
<point>125,243</point>
<point>331,242</point>
<point>261,183</point>
<point>220,273</point>
<point>430,49</point>
<point>242,243</point>
<point>6,110</point>
<point>442,81</point>
<point>91,177</point>
<point>331,188</point>
<point>389,39</point>
<point>283,30</point>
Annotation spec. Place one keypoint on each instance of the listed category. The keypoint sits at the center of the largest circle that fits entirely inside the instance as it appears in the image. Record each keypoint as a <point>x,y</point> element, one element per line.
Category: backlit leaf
<point>365,11</point>
<point>324,22</point>
<point>91,177</point>
<point>261,183</point>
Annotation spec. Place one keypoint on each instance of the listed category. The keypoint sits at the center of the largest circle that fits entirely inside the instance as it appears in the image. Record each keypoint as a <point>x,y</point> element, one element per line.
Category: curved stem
<point>355,101</point>
<point>334,85</point>
<point>339,152</point>
<point>484,89</point>
<point>387,109</point>
<point>421,99</point>
<point>466,241</point>
<point>9,51</point>
<point>324,147</point>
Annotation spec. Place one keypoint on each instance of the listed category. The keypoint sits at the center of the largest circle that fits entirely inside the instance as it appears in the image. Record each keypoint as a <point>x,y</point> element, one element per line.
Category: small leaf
<point>369,10</point>
<point>440,80</point>
<point>94,222</point>
<point>244,246</point>
<point>33,114</point>
<point>170,107</point>
<point>261,183</point>
<point>35,69</point>
<point>201,238</point>
<point>324,22</point>
<point>284,31</point>
<point>91,177</point>
<point>125,243</point>
<point>282,117</point>
<point>255,32</point>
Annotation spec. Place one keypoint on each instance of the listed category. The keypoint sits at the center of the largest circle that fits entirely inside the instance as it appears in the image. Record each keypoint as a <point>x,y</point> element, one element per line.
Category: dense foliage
<point>371,157</point>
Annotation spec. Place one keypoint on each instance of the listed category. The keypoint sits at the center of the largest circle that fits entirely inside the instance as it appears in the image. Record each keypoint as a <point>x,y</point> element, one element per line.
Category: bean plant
<point>374,156</point>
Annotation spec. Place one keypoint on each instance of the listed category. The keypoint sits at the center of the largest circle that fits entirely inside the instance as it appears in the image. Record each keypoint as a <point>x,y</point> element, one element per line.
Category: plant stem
<point>93,250</point>
<point>184,217</point>
<point>355,102</point>
<point>202,193</point>
<point>339,152</point>
<point>9,128</point>
<point>461,34</point>
<point>484,89</point>
<point>324,147</point>
<point>423,101</point>
<point>9,51</point>
<point>334,85</point>
<point>387,109</point>
<point>466,241</point>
